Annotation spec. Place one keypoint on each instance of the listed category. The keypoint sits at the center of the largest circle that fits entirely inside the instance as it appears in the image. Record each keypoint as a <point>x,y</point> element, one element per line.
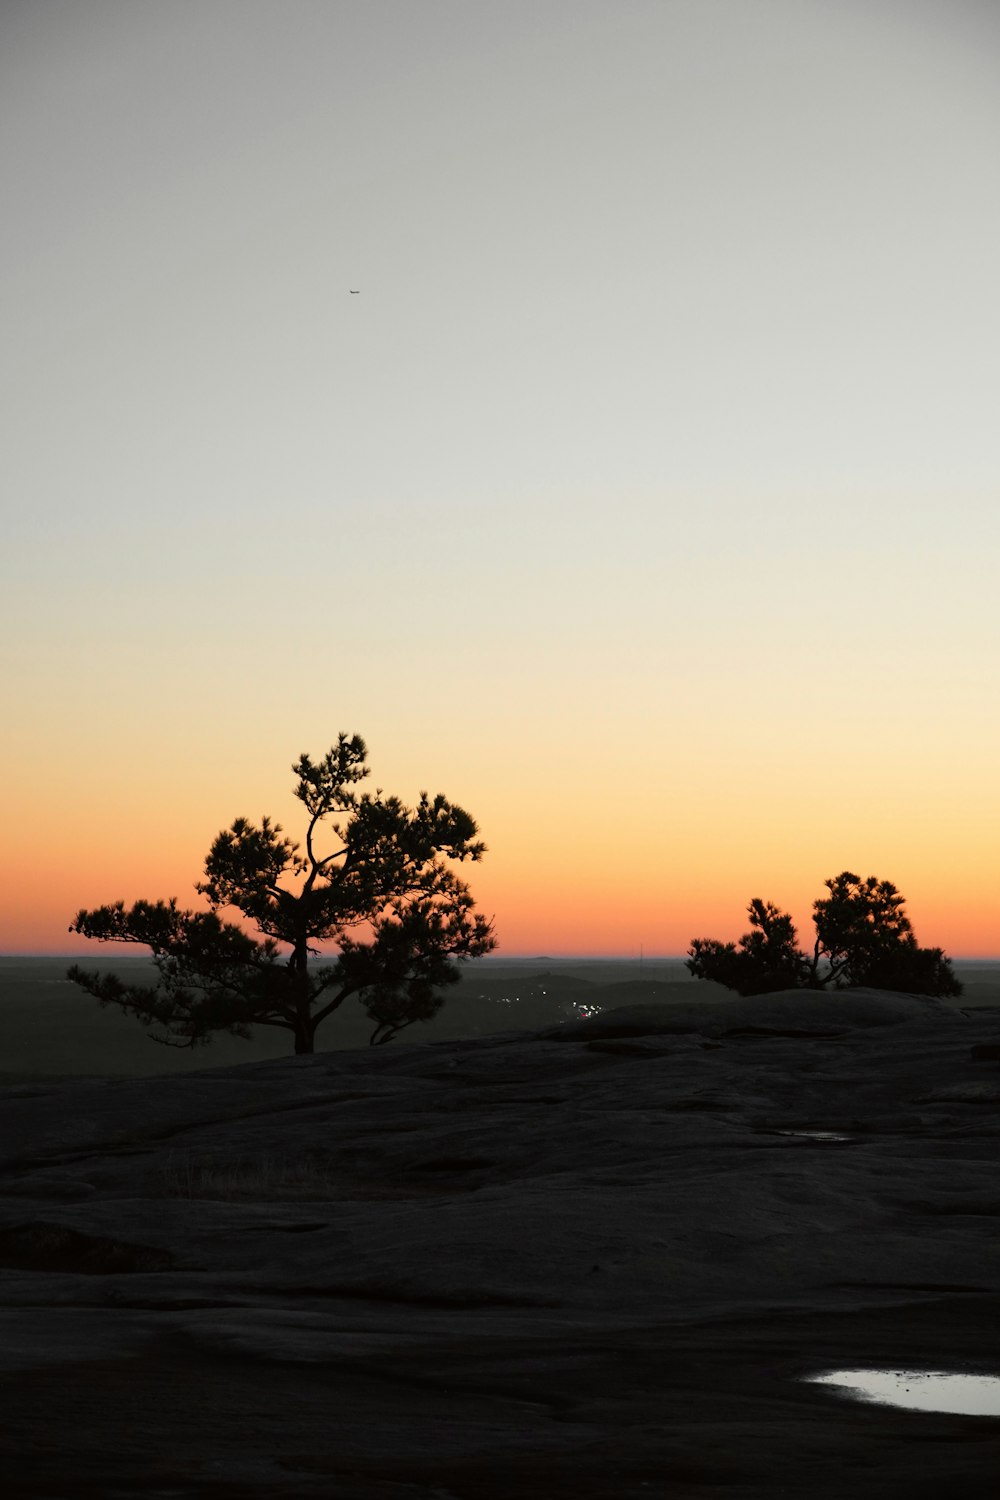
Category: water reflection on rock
<point>815,1135</point>
<point>920,1390</point>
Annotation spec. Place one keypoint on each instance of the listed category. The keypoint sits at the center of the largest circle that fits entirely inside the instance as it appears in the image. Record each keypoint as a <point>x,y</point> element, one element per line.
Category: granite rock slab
<point>596,1261</point>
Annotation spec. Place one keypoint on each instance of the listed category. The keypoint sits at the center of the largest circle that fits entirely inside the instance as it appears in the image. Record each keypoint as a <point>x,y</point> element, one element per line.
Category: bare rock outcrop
<point>594,1262</point>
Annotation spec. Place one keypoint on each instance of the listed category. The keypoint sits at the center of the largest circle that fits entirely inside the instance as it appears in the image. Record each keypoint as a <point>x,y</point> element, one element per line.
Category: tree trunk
<point>299,965</point>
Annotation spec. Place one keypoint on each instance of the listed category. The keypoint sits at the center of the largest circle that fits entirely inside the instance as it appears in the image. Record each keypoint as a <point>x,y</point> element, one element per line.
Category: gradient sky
<point>646,501</point>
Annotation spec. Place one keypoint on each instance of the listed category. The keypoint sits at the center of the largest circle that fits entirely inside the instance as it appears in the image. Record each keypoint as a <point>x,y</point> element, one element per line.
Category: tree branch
<point>336,1002</point>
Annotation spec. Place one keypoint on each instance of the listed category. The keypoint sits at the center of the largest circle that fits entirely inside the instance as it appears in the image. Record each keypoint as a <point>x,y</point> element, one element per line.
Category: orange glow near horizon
<point>646,869</point>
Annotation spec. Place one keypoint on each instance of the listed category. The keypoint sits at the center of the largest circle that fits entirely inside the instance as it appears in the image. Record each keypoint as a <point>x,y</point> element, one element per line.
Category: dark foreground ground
<point>578,1264</point>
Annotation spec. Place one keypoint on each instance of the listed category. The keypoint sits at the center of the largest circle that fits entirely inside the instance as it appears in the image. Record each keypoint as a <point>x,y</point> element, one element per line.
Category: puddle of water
<point>920,1390</point>
<point>815,1135</point>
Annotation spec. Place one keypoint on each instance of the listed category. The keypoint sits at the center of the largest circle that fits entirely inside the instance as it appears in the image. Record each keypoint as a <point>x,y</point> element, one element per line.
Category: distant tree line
<point>863,937</point>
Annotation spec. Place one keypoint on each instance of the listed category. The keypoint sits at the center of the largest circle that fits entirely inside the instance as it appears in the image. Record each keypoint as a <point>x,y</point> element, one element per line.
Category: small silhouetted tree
<point>765,959</point>
<point>863,937</point>
<point>385,894</point>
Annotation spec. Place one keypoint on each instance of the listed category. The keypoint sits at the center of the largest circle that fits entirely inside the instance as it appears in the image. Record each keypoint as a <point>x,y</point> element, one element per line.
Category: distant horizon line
<point>489,958</point>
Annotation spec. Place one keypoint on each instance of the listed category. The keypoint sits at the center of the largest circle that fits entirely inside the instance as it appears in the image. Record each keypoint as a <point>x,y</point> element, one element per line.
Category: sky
<point>645,500</point>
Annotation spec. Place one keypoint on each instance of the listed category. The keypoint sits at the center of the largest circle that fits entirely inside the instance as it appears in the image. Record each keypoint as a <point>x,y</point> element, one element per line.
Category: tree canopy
<point>386,895</point>
<point>863,937</point>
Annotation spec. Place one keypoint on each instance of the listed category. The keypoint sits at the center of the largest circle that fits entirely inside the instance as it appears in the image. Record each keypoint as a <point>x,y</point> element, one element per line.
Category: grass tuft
<point>243,1179</point>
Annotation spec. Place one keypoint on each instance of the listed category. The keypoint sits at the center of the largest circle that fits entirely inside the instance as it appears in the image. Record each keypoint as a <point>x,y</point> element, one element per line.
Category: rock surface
<point>595,1262</point>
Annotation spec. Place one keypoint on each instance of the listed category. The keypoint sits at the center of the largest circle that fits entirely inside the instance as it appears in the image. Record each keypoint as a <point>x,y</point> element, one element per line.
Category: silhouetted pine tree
<point>385,895</point>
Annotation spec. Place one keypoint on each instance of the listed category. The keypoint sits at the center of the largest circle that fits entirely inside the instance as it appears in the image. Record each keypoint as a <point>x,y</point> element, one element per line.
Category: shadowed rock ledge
<point>592,1262</point>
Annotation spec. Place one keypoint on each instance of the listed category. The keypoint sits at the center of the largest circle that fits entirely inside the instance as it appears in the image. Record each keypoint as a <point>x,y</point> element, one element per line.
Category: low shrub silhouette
<point>863,937</point>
